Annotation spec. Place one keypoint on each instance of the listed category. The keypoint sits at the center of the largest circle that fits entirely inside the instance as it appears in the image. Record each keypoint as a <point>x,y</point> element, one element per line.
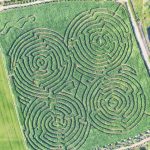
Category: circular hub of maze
<point>99,40</point>
<point>116,102</point>
<point>59,122</point>
<point>40,63</point>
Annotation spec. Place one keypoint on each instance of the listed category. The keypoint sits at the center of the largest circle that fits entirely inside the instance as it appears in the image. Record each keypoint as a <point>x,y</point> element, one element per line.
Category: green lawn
<point>146,17</point>
<point>11,137</point>
<point>138,5</point>
<point>77,74</point>
<point>142,9</point>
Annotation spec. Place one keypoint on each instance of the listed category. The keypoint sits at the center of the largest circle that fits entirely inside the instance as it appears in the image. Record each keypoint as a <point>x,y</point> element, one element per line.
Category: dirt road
<point>2,8</point>
<point>140,40</point>
<point>139,37</point>
<point>135,145</point>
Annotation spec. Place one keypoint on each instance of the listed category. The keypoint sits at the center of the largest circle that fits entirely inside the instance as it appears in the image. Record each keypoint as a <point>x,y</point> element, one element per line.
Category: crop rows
<point>117,102</point>
<point>92,55</point>
<point>100,41</point>
<point>55,123</point>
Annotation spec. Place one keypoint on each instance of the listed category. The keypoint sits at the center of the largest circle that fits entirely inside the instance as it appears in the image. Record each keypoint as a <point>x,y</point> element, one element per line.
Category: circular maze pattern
<point>100,41</point>
<point>56,123</point>
<point>66,85</point>
<point>116,103</point>
<point>39,63</point>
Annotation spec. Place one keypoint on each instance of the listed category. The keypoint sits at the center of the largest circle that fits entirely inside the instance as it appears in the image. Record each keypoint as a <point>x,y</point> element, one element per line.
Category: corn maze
<point>69,84</point>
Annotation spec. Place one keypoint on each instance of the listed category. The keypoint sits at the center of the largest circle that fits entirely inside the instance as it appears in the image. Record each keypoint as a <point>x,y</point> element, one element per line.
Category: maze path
<point>18,24</point>
<point>39,63</point>
<point>100,41</point>
<point>117,102</point>
<point>59,122</point>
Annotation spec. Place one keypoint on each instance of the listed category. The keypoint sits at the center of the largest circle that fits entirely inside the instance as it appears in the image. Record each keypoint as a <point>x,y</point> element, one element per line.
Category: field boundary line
<point>135,144</point>
<point>3,8</point>
<point>139,38</point>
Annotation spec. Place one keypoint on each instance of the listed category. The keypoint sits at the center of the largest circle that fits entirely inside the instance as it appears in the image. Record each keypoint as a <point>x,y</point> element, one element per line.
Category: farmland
<point>142,11</point>
<point>77,74</point>
<point>10,133</point>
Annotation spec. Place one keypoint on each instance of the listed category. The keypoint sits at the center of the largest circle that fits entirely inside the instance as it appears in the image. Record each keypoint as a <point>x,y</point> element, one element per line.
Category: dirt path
<point>136,144</point>
<point>2,8</point>
<point>140,40</point>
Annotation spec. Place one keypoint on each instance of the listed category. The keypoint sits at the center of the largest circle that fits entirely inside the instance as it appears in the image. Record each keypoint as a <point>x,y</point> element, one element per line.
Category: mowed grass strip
<point>11,137</point>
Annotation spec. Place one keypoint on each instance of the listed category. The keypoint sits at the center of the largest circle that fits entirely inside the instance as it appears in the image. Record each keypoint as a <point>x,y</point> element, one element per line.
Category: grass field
<point>146,17</point>
<point>138,5</point>
<point>77,74</point>
<point>11,137</point>
<point>142,9</point>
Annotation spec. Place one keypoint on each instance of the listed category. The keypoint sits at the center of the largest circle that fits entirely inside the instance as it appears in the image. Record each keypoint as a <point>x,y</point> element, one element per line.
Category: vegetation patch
<point>11,136</point>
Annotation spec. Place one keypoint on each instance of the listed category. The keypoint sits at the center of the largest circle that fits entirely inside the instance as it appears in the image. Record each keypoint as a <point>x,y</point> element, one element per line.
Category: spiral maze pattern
<point>40,66</point>
<point>39,63</point>
<point>117,102</point>
<point>55,123</point>
<point>93,55</point>
<point>100,41</point>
